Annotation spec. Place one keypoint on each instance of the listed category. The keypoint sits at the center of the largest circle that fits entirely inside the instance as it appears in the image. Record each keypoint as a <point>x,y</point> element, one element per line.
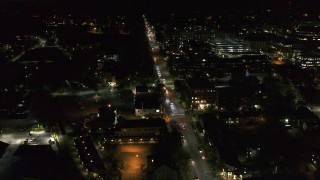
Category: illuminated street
<point>198,166</point>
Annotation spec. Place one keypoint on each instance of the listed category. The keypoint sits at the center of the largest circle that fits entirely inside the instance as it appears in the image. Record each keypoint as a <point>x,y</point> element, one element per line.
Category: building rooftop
<point>88,154</point>
<point>156,122</point>
<point>305,113</point>
<point>34,162</point>
<point>147,101</point>
<point>199,83</point>
<point>258,37</point>
<point>3,147</point>
<point>30,151</point>
<point>255,56</point>
<point>310,53</point>
<point>141,89</point>
<point>227,115</point>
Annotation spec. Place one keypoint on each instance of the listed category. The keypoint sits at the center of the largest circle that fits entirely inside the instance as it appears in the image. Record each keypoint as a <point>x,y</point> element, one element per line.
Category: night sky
<point>182,4</point>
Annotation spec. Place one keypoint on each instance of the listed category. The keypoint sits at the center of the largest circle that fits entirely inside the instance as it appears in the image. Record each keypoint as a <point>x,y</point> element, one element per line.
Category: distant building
<point>306,120</point>
<point>309,60</point>
<point>172,41</point>
<point>244,99</point>
<point>34,162</point>
<point>107,114</point>
<point>175,39</point>
<point>105,119</point>
<point>159,171</point>
<point>142,90</point>
<point>230,118</point>
<point>142,127</point>
<point>215,132</point>
<point>259,42</point>
<point>196,34</point>
<point>181,67</point>
<point>203,93</point>
<point>140,130</point>
<point>255,63</point>
<point>240,150</point>
<point>147,105</point>
<point>308,31</point>
<point>165,173</point>
<point>229,47</point>
<point>240,119</point>
<point>3,147</point>
<point>89,156</point>
<point>226,99</point>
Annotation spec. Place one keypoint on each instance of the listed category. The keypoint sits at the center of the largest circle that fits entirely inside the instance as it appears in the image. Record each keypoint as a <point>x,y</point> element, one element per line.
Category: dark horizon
<point>166,5</point>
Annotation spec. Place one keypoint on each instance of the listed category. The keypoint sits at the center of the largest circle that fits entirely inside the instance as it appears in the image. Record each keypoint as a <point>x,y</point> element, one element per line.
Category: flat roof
<point>199,83</point>
<point>33,151</point>
<point>141,89</point>
<point>156,122</point>
<point>147,101</point>
<point>89,154</point>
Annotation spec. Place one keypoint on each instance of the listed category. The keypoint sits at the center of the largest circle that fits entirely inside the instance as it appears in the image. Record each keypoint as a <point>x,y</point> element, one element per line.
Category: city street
<point>41,43</point>
<point>199,167</point>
